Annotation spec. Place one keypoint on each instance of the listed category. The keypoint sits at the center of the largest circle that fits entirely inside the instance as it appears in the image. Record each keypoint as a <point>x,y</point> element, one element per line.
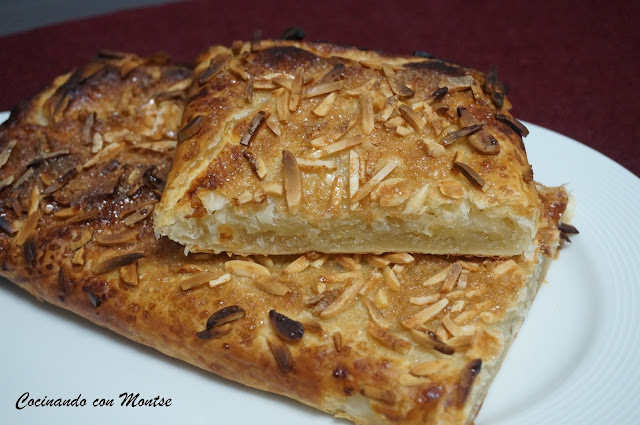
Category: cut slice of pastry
<point>296,147</point>
<point>378,339</point>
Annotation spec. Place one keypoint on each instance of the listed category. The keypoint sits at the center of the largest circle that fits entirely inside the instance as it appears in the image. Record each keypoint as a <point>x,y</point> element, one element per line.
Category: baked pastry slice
<point>297,147</point>
<point>379,339</point>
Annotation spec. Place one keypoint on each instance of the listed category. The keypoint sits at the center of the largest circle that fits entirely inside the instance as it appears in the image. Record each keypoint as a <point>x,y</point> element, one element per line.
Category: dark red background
<point>573,66</point>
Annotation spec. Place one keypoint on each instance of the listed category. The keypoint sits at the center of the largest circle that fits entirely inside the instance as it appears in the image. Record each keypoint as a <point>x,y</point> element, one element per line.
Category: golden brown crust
<point>378,142</point>
<point>88,246</point>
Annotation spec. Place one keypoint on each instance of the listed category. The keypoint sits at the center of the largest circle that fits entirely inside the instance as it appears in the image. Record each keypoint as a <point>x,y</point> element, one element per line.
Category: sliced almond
<point>425,315</point>
<point>451,189</point>
<point>6,152</point>
<point>97,143</point>
<point>427,299</point>
<point>323,107</point>
<point>198,279</point>
<point>377,178</point>
<point>454,84</point>
<point>376,261</point>
<point>273,125</point>
<point>270,286</point>
<point>416,202</point>
<point>129,274</point>
<point>335,197</point>
<point>376,315</point>
<point>296,266</point>
<point>78,257</point>
<point>316,164</point>
<point>337,147</point>
<point>27,229</point>
<point>349,262</point>
<point>354,176</point>
<point>504,267</point>
<point>389,340</point>
<point>410,380</point>
<point>295,89</point>
<point>273,189</point>
<point>366,108</point>
<point>332,75</point>
<point>399,257</point>
<point>397,86</point>
<point>251,130</point>
<point>85,237</point>
<point>412,117</point>
<point>321,89</point>
<point>456,330</point>
<point>391,279</point>
<point>191,129</point>
<point>438,277</point>
<point>282,104</point>
<point>434,150</point>
<point>364,88</point>
<point>292,182</point>
<point>342,277</point>
<point>471,175</point>
<point>343,301</point>
<point>246,268</point>
<point>104,155</point>
<point>223,278</point>
<point>108,264</point>
<point>6,182</point>
<point>215,66</point>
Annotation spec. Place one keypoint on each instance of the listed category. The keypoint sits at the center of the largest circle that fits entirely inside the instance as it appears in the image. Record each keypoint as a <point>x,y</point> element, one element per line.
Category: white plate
<point>575,361</point>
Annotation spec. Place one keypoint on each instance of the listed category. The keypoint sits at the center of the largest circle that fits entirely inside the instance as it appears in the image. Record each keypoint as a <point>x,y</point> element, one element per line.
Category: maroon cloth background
<point>573,66</point>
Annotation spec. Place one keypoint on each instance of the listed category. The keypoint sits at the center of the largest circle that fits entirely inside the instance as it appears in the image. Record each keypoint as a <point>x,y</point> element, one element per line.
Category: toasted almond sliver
<point>323,107</point>
<point>335,197</point>
<point>337,341</point>
<point>104,155</point>
<point>438,277</point>
<point>6,182</point>
<point>434,150</point>
<point>342,277</point>
<point>364,88</point>
<point>349,262</point>
<point>215,66</point>
<point>297,265</point>
<point>429,368</point>
<point>428,299</point>
<point>115,239</point>
<point>354,176</point>
<point>282,104</point>
<point>246,268</point>
<point>97,142</point>
<point>78,257</point>
<point>375,314</point>
<point>397,86</point>
<point>452,277</point>
<point>273,125</point>
<point>323,89</point>
<point>337,147</point>
<point>224,278</point>
<point>377,178</point>
<point>426,314</point>
<point>399,257</point>
<point>504,267</point>
<point>273,189</point>
<point>376,261</point>
<point>394,122</point>
<point>412,117</point>
<point>455,329</point>
<point>401,130</point>
<point>391,279</point>
<point>388,339</point>
<point>366,107</point>
<point>454,84</point>
<point>415,203</point>
<point>319,262</point>
<point>315,164</point>
<point>270,286</point>
<point>281,353</point>
<point>343,301</point>
<point>35,200</point>
<point>84,238</point>
<point>471,175</point>
<point>6,152</point>
<point>460,341</point>
<point>198,279</point>
<point>129,274</point>
<point>295,89</point>
<point>292,181</point>
<point>263,260</point>
<point>30,224</point>
<point>462,280</point>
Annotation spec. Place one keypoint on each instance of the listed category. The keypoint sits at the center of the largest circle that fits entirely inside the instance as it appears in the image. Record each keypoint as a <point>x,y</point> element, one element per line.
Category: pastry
<point>394,338</point>
<point>290,147</point>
